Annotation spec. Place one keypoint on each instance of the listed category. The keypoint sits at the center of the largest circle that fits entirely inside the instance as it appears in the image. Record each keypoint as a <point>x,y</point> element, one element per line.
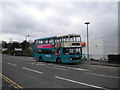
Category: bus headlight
<point>70,58</point>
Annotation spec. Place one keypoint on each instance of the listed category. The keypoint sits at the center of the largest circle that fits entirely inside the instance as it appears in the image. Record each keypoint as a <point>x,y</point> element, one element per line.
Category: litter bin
<point>114,58</point>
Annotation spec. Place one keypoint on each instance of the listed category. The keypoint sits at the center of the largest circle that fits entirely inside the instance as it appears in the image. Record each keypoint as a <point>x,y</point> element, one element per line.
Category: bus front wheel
<point>58,60</point>
<point>40,59</point>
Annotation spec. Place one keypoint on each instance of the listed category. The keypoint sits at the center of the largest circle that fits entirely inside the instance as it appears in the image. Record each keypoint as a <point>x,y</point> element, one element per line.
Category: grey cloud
<point>103,18</point>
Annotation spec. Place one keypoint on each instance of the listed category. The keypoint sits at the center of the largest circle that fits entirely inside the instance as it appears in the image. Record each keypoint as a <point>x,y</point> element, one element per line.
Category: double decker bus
<point>60,49</point>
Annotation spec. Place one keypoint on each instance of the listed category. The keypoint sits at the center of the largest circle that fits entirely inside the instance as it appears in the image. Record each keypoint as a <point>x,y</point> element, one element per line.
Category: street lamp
<point>87,40</point>
<point>27,37</point>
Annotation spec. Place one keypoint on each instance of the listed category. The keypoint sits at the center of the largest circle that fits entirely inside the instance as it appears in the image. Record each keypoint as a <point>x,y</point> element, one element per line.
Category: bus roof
<point>47,38</point>
<point>71,35</point>
<point>64,36</point>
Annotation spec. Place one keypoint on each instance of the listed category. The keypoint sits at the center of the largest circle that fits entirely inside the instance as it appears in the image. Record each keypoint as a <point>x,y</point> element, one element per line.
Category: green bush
<point>7,52</point>
<point>19,53</point>
<point>28,53</point>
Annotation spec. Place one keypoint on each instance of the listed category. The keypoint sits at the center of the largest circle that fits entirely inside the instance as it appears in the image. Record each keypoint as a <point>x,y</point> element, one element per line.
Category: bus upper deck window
<point>36,42</point>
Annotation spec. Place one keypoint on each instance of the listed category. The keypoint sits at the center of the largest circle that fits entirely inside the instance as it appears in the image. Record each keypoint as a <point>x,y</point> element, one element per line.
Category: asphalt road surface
<point>31,74</point>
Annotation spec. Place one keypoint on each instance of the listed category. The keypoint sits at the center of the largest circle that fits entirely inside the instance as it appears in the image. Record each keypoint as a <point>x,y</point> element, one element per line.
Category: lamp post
<point>27,37</point>
<point>87,40</point>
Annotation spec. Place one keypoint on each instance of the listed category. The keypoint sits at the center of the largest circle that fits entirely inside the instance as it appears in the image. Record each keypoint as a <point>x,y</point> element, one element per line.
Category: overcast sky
<point>44,19</point>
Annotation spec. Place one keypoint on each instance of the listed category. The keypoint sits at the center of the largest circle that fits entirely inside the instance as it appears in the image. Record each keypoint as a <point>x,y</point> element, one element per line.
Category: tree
<point>25,45</point>
<point>16,44</point>
<point>4,44</point>
<point>10,46</point>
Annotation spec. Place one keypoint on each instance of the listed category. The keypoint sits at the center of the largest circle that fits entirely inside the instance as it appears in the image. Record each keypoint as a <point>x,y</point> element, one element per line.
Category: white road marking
<point>28,63</point>
<point>55,68</point>
<point>79,69</point>
<point>11,64</point>
<point>14,65</point>
<point>59,68</point>
<point>72,68</point>
<point>51,64</point>
<point>36,63</point>
<point>81,83</point>
<point>42,64</point>
<point>32,70</point>
<point>102,75</point>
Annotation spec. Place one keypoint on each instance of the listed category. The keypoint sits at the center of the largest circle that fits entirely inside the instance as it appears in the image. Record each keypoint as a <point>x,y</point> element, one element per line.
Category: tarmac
<point>6,86</point>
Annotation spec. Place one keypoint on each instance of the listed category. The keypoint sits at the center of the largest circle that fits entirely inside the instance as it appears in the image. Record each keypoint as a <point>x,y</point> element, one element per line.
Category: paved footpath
<point>103,63</point>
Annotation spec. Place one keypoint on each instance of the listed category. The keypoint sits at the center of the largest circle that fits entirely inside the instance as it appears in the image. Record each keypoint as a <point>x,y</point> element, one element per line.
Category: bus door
<point>52,53</point>
<point>37,53</point>
<point>57,52</point>
<point>34,54</point>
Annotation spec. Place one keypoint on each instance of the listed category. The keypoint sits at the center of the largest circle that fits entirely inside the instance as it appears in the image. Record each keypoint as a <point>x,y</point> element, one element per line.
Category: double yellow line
<point>16,86</point>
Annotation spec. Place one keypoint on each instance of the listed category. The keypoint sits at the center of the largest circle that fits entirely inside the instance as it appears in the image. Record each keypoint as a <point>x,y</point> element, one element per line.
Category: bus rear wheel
<point>40,59</point>
<point>58,60</point>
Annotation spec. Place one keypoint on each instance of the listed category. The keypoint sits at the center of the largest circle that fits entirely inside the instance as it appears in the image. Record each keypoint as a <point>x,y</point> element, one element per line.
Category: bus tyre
<point>40,59</point>
<point>58,60</point>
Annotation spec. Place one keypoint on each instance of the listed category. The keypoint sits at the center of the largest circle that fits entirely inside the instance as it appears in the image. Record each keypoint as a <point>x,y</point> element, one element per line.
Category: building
<point>101,48</point>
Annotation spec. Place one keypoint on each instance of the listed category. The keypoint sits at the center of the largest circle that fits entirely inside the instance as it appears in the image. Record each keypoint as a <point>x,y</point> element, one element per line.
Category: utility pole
<point>10,39</point>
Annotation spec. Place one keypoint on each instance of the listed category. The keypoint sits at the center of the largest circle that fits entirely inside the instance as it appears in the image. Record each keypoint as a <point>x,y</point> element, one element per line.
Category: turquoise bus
<point>60,49</point>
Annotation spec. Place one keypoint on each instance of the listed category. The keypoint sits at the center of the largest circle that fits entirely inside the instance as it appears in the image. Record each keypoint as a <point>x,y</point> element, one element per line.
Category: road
<point>28,73</point>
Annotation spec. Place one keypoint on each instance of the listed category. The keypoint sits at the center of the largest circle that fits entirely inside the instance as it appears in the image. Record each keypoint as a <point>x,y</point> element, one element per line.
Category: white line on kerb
<point>73,81</point>
<point>102,75</point>
<point>32,70</point>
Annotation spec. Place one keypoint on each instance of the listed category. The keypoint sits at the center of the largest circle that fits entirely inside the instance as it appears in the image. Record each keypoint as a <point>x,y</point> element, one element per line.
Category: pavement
<point>104,63</point>
<point>27,73</point>
<point>5,85</point>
